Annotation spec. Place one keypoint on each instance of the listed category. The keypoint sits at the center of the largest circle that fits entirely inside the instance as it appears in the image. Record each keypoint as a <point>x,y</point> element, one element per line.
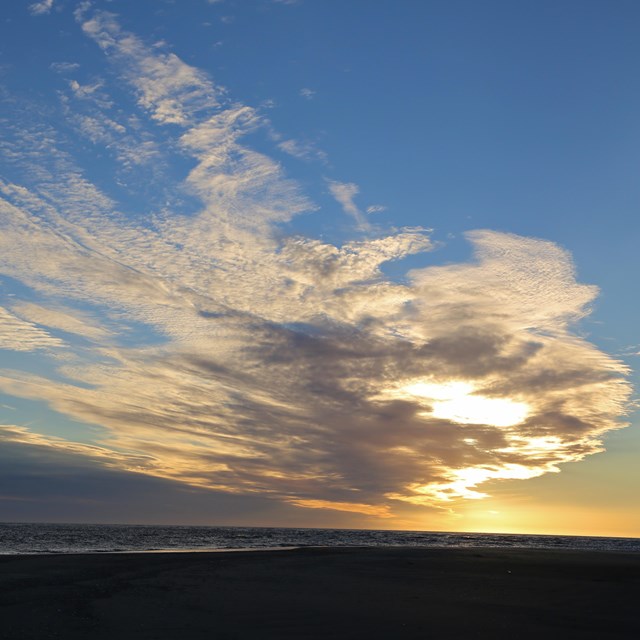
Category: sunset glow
<point>456,401</point>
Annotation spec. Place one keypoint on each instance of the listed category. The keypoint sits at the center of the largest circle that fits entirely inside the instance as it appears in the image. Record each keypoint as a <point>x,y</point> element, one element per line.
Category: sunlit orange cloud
<point>352,507</point>
<point>227,355</point>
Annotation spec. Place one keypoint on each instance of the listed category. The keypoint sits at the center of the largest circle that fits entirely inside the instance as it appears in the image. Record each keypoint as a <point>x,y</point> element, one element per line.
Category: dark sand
<point>322,593</point>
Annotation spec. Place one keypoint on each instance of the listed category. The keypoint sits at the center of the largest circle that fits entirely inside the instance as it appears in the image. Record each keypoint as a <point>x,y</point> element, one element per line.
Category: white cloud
<point>302,150</point>
<point>21,335</point>
<point>68,320</point>
<point>40,8</point>
<point>307,93</point>
<point>376,208</point>
<point>84,91</point>
<point>170,90</point>
<point>64,67</point>
<point>344,193</point>
<point>123,139</point>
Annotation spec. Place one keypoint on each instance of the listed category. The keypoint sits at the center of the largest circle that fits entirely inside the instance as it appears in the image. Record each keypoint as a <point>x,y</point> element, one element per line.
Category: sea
<point>29,538</point>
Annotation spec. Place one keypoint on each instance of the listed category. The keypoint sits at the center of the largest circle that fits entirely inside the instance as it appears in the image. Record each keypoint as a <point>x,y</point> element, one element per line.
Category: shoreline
<point>216,550</point>
<point>147,551</point>
<point>322,592</point>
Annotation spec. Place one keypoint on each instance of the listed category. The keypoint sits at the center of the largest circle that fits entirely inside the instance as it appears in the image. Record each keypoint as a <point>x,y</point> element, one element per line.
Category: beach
<point>322,593</point>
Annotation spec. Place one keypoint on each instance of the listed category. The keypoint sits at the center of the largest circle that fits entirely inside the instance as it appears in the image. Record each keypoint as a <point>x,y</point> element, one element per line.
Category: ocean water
<point>17,538</point>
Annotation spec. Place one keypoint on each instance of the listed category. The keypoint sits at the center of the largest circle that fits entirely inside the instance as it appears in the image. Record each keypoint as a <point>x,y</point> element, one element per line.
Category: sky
<point>321,263</point>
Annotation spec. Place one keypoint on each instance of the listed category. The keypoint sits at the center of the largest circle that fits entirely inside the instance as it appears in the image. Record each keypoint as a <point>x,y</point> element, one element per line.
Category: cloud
<point>307,93</point>
<point>21,435</point>
<point>21,335</point>
<point>67,320</point>
<point>38,482</point>
<point>123,138</point>
<point>351,507</point>
<point>64,67</point>
<point>231,356</point>
<point>170,90</point>
<point>344,193</point>
<point>85,91</point>
<point>41,8</point>
<point>302,150</point>
<point>376,208</point>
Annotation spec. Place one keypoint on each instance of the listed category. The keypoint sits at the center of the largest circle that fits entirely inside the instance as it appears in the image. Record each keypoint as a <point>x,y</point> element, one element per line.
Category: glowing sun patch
<point>456,401</point>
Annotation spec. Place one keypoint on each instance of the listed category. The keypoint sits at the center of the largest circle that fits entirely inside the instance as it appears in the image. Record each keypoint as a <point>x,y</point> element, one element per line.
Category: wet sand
<point>322,593</point>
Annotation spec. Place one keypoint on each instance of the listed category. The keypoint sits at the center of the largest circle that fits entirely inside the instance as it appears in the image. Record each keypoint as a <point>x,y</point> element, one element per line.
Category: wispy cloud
<point>84,91</point>
<point>41,8</point>
<point>90,110</point>
<point>64,67</point>
<point>67,320</point>
<point>344,193</point>
<point>21,335</point>
<point>307,93</point>
<point>229,356</point>
<point>302,150</point>
<point>170,90</point>
<point>17,434</point>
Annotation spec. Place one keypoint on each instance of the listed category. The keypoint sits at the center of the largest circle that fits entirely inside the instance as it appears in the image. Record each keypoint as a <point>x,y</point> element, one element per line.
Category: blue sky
<point>320,263</point>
